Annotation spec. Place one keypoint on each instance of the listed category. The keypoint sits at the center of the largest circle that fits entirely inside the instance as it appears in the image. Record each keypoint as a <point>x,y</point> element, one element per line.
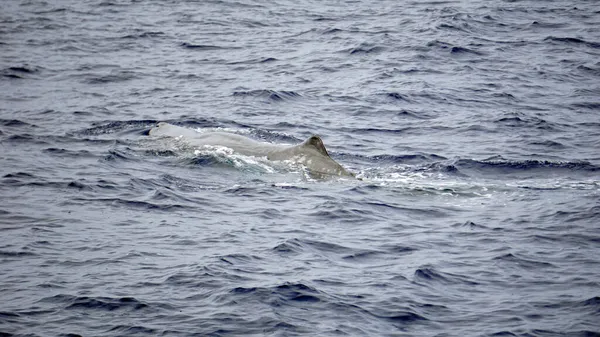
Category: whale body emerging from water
<point>311,153</point>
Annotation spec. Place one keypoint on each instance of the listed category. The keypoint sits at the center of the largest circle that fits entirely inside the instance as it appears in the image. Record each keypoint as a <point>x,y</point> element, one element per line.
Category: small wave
<point>49,11</point>
<point>143,35</point>
<point>395,96</point>
<point>7,253</point>
<point>79,186</point>
<point>548,144</point>
<point>439,44</point>
<point>509,166</point>
<point>107,3</point>
<point>523,262</point>
<point>15,123</point>
<point>98,303</point>
<point>554,25</point>
<point>6,314</point>
<point>292,246</point>
<point>116,155</point>
<point>121,76</point>
<point>591,214</point>
<point>135,204</point>
<point>463,27</point>
<point>471,225</point>
<point>401,316</point>
<point>572,40</point>
<point>462,50</point>
<point>23,70</point>
<point>364,48</point>
<point>282,294</point>
<point>428,274</point>
<point>335,251</point>
<point>64,153</point>
<point>363,256</point>
<point>338,252</point>
<point>336,212</point>
<point>271,95</point>
<point>255,61</point>
<point>414,114</point>
<point>160,153</point>
<point>132,330</point>
<point>591,71</point>
<point>503,334</point>
<point>444,167</point>
<point>324,18</point>
<point>397,249</point>
<point>185,185</point>
<point>454,50</point>
<point>526,122</point>
<point>587,105</point>
<point>203,160</point>
<point>331,31</point>
<point>268,59</point>
<point>377,130</point>
<point>505,95</point>
<point>18,72</point>
<point>27,138</point>
<point>106,303</point>
<point>202,47</point>
<point>593,302</point>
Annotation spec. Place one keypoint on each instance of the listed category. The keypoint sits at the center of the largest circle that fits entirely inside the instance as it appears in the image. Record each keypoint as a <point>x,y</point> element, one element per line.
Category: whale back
<point>311,153</point>
<point>315,143</point>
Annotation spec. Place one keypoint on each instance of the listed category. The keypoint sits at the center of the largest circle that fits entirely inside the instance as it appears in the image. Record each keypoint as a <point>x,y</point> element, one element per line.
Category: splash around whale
<point>311,153</point>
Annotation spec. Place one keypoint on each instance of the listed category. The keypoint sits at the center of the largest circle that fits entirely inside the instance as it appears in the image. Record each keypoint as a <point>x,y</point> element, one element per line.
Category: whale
<point>311,153</point>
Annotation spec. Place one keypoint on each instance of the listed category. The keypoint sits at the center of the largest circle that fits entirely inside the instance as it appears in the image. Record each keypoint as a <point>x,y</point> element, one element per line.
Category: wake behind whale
<point>311,153</point>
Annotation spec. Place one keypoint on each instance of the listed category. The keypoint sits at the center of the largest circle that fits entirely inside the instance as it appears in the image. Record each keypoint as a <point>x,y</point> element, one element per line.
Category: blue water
<point>473,126</point>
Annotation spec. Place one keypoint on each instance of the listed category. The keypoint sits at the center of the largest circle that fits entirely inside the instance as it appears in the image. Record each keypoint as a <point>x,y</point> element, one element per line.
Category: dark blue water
<point>474,126</point>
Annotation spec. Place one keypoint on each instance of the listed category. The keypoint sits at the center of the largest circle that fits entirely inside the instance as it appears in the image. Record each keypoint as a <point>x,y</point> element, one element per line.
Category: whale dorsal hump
<point>316,143</point>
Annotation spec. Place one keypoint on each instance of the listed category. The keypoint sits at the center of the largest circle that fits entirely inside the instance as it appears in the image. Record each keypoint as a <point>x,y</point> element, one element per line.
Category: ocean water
<point>474,127</point>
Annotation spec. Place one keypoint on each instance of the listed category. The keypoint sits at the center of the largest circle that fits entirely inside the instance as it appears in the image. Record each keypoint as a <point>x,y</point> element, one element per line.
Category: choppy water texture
<point>474,126</point>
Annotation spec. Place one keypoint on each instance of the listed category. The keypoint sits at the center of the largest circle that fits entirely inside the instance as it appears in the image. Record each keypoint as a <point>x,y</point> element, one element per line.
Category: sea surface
<point>473,128</point>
